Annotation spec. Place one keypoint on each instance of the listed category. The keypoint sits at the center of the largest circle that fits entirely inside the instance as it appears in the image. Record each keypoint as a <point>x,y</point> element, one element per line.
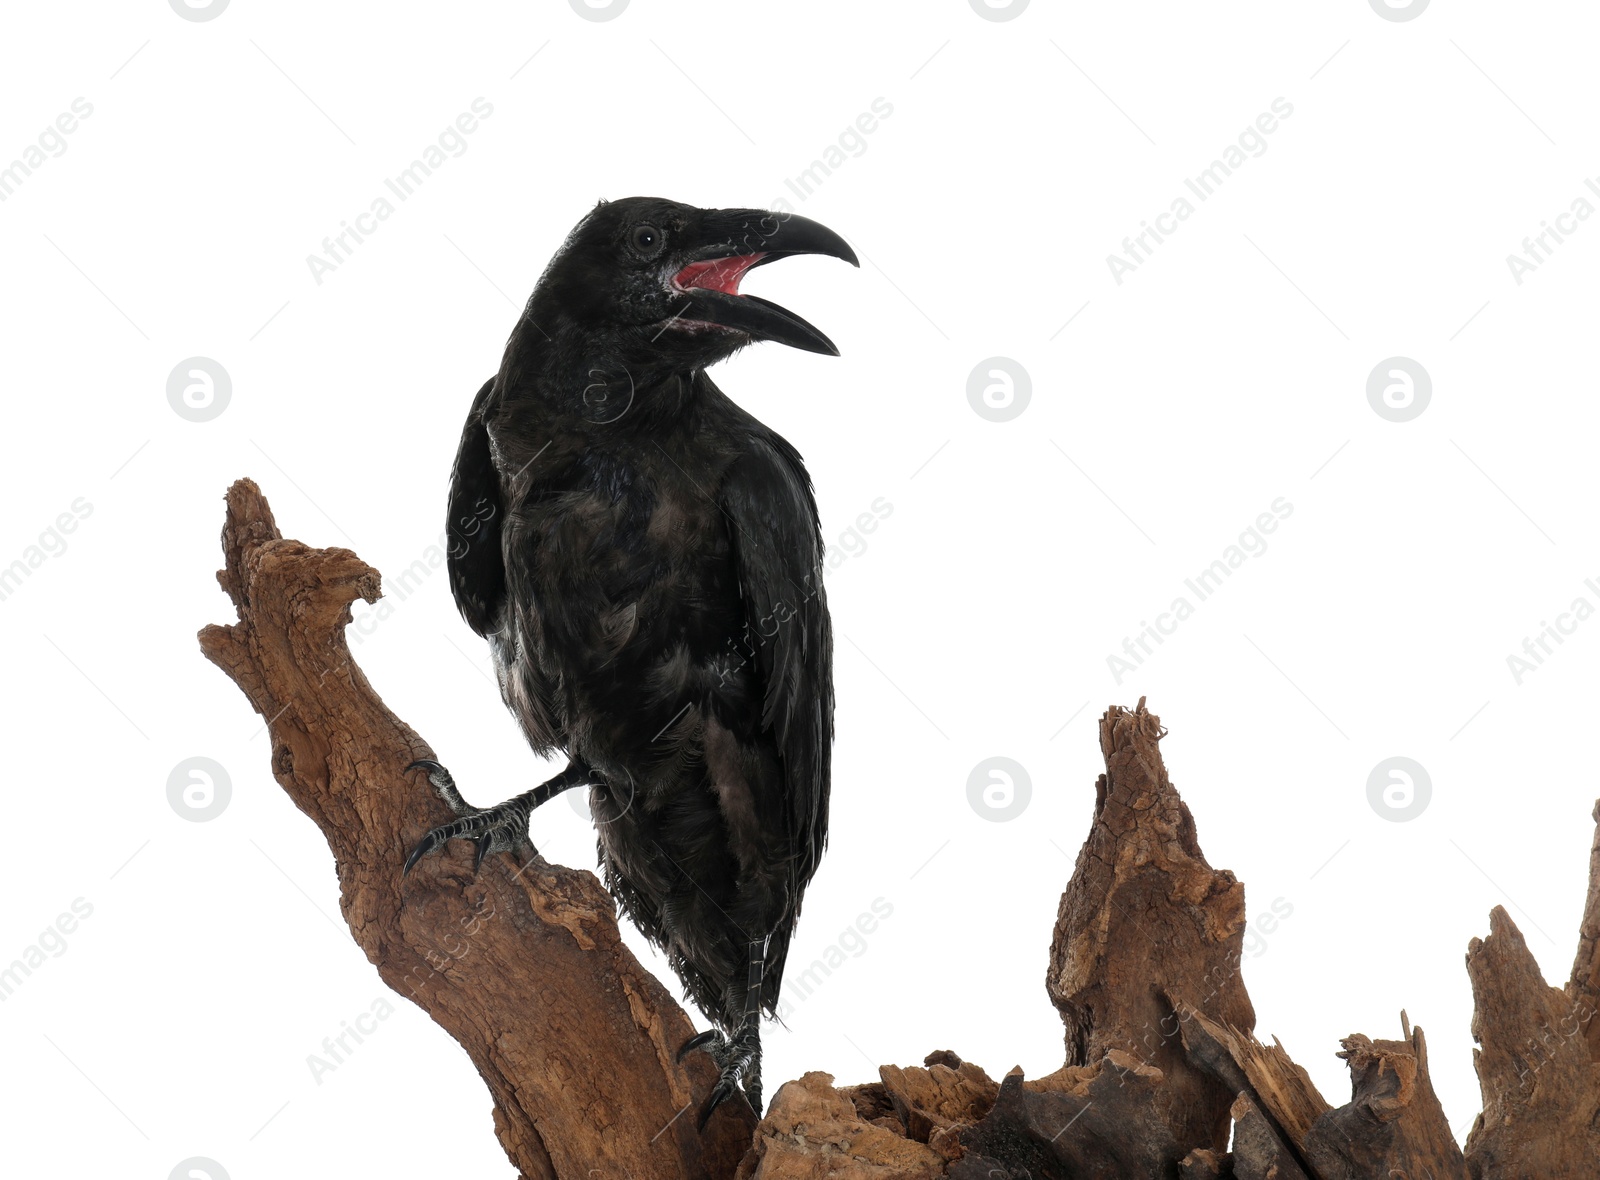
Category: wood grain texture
<point>522,965</point>
<point>1540,1081</point>
<point>1145,922</point>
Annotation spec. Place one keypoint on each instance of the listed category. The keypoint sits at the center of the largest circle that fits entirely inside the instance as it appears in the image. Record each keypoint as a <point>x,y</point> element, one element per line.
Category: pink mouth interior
<point>717,274</point>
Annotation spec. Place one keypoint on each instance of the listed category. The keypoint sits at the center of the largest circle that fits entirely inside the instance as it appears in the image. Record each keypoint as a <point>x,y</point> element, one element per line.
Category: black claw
<point>737,1057</point>
<point>698,1041</point>
<point>503,826</point>
<point>720,1093</point>
<point>424,846</point>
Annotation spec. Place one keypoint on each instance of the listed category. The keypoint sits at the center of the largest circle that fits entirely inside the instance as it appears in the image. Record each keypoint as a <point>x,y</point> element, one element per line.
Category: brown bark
<point>929,1101</point>
<point>812,1130</point>
<point>1541,1086</point>
<point>1393,1125</point>
<point>1145,922</point>
<point>1283,1090</point>
<point>1583,989</point>
<point>1204,1164</point>
<point>1259,1151</point>
<point>522,965</point>
<point>1090,1122</point>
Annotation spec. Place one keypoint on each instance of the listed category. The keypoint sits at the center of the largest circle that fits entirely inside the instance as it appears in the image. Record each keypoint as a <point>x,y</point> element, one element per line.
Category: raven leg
<point>738,1057</point>
<point>751,1029</point>
<point>493,829</point>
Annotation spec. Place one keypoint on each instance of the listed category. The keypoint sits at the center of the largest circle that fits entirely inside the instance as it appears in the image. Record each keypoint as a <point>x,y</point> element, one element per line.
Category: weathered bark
<point>1259,1151</point>
<point>1146,922</point>
<point>932,1100</point>
<point>1112,1118</point>
<point>1541,1087</point>
<point>1284,1091</point>
<point>1204,1164</point>
<point>524,967</point>
<point>812,1130</point>
<point>1087,1122</point>
<point>521,964</point>
<point>1583,989</point>
<point>1393,1125</point>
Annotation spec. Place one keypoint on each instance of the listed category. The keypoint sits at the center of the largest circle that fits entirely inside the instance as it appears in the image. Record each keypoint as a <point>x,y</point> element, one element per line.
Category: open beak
<point>729,242</point>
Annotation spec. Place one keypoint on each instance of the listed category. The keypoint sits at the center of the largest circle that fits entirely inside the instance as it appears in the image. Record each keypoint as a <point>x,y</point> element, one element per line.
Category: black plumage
<point>645,560</point>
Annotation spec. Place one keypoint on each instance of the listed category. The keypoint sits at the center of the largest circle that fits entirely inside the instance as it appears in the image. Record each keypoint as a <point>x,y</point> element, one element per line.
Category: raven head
<point>660,281</point>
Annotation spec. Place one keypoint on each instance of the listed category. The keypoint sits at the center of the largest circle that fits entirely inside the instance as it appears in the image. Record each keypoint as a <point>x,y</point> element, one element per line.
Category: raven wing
<point>777,549</point>
<point>477,566</point>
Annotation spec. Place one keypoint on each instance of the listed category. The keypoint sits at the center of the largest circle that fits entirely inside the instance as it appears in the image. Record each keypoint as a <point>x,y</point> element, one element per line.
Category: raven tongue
<point>717,274</point>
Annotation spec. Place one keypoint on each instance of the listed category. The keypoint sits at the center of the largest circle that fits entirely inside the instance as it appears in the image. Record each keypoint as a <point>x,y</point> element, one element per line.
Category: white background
<point>1229,370</point>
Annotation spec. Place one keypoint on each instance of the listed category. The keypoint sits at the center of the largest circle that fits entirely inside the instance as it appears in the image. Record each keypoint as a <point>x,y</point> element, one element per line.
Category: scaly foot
<point>738,1060</point>
<point>494,829</point>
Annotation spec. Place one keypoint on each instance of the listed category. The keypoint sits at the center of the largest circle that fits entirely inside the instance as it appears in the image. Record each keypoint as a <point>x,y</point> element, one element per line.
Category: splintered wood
<point>524,968</point>
<point>1162,1077</point>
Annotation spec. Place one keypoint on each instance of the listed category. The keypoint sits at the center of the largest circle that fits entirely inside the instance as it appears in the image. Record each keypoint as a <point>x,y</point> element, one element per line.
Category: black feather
<point>645,560</point>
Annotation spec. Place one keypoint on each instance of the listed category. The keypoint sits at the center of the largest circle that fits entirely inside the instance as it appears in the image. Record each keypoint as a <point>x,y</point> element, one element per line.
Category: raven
<point>645,559</point>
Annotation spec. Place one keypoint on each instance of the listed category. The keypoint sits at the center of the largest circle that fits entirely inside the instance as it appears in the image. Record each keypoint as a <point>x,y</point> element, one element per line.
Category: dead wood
<point>1259,1151</point>
<point>523,965</point>
<point>1583,989</point>
<point>1282,1089</point>
<point>1393,1125</point>
<point>1145,922</point>
<point>1540,1083</point>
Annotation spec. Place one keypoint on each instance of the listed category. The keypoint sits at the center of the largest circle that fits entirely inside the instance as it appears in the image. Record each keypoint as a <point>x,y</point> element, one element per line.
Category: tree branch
<point>523,965</point>
<point>1163,1078</point>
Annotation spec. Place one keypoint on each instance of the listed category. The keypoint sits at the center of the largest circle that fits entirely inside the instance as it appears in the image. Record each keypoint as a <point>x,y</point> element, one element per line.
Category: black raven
<point>645,560</point>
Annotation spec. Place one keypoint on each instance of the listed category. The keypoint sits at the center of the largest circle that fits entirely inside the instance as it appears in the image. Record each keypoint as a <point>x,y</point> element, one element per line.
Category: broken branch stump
<point>523,965</point>
<point>1163,1078</point>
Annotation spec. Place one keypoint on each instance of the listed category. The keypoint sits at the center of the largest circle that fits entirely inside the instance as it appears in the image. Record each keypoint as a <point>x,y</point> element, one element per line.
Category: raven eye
<point>646,239</point>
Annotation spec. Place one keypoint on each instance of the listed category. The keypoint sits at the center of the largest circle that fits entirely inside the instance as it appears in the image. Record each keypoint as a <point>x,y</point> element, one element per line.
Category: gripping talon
<point>443,781</point>
<point>720,1093</point>
<point>698,1041</point>
<point>495,829</point>
<point>738,1060</point>
<point>424,846</point>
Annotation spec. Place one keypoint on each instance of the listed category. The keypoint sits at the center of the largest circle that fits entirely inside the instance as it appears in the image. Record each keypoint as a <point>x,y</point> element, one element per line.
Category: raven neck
<point>583,381</point>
